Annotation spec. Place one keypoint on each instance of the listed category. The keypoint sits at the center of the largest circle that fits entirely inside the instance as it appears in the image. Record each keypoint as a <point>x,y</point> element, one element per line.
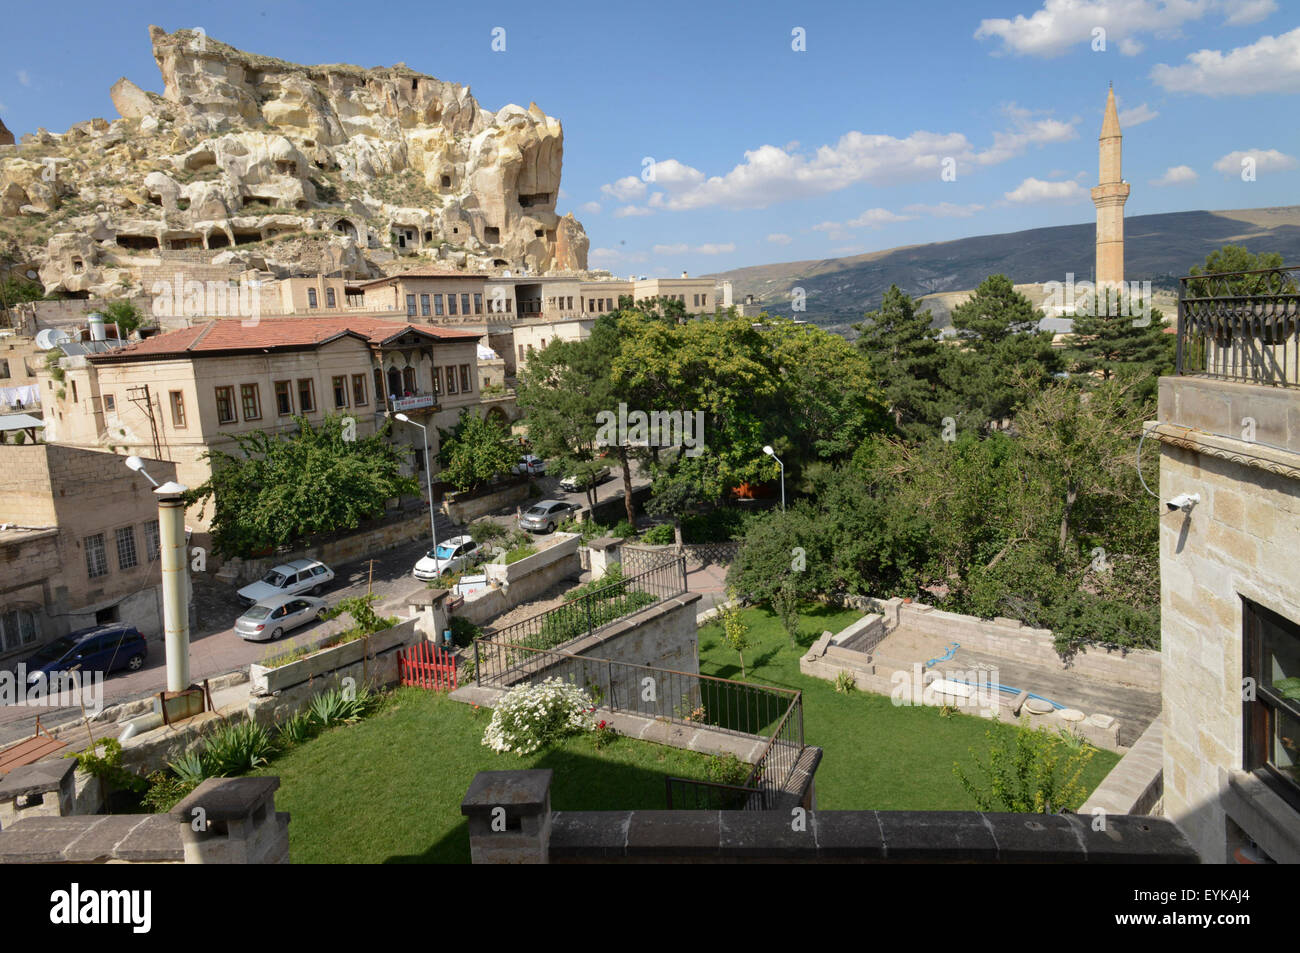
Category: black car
<point>100,648</point>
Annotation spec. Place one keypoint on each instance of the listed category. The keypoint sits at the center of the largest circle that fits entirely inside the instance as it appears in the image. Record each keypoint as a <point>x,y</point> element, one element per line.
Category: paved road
<point>216,650</point>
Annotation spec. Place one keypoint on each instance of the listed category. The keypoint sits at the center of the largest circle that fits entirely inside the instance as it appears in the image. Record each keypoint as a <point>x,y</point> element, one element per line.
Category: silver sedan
<point>271,618</point>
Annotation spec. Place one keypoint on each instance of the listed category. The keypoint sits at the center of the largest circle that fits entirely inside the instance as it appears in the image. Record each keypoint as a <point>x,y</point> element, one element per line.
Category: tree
<point>124,314</point>
<point>1232,259</point>
<point>906,360</point>
<point>785,604</point>
<point>1112,344</point>
<point>278,489</point>
<point>998,346</point>
<point>1040,774</point>
<point>475,451</point>
<point>735,632</point>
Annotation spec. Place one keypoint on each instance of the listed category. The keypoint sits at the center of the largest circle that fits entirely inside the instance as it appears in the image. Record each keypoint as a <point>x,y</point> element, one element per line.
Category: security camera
<point>1183,501</point>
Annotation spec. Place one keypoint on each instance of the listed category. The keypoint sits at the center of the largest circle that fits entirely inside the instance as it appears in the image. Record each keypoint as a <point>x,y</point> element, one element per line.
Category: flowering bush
<point>531,716</point>
<point>606,734</point>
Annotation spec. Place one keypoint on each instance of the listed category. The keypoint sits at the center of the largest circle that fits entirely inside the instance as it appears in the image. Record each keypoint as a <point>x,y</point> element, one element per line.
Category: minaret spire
<point>1109,197</point>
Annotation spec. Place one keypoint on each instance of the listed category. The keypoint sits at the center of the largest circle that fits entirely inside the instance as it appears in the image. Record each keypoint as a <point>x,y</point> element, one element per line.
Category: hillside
<point>1158,248</point>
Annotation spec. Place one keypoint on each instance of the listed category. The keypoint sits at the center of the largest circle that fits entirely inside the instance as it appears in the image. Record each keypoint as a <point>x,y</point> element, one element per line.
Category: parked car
<point>291,579</point>
<point>572,484</point>
<point>273,617</point>
<point>547,515</point>
<point>455,553</point>
<point>99,648</point>
<point>530,465</point>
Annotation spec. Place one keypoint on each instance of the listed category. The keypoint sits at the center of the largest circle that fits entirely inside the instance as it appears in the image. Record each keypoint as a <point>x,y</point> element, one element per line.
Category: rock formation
<point>262,163</point>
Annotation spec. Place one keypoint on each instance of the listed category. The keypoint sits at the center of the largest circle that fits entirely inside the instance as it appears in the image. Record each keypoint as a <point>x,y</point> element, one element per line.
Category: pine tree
<point>906,361</point>
<point>1110,344</point>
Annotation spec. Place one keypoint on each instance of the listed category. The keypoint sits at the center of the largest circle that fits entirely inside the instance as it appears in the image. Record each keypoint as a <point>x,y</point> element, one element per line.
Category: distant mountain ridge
<point>1157,248</point>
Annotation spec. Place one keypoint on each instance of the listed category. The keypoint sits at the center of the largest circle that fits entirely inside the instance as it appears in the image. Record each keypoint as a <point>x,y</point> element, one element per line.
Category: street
<point>215,649</point>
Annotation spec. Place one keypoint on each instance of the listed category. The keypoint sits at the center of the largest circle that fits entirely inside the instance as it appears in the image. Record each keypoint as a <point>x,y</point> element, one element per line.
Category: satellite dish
<point>51,338</point>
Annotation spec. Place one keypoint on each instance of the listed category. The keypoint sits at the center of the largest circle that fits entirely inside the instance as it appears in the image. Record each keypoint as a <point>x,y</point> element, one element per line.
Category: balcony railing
<point>1241,326</point>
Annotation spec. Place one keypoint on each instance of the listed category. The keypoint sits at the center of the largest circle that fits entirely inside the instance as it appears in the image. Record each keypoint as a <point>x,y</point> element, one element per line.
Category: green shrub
<point>845,682</point>
<point>519,552</point>
<point>463,631</point>
<point>727,769</point>
<point>236,747</point>
<point>660,535</point>
<point>1033,774</point>
<point>108,767</point>
<point>190,767</point>
<point>717,526</point>
<point>296,729</point>
<point>485,530</point>
<point>623,530</point>
<point>166,791</point>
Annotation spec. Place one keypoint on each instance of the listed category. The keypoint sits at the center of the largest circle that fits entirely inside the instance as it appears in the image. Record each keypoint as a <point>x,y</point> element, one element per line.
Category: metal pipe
<point>175,581</point>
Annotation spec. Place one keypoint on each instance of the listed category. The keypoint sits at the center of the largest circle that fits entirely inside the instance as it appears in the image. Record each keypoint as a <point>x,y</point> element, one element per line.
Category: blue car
<point>100,648</point>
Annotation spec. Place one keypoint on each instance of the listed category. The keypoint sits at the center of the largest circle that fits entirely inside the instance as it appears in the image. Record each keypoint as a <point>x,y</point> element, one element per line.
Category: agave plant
<point>191,767</point>
<point>296,730</point>
<point>236,747</point>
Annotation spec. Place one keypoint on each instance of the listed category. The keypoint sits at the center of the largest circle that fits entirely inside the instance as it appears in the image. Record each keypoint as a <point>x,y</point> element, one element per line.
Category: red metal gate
<point>427,666</point>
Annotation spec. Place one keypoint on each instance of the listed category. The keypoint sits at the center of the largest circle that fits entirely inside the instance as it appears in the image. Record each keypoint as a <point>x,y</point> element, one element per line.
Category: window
<point>96,558</point>
<point>522,356</point>
<point>451,304</point>
<point>330,300</point>
<point>127,558</point>
<point>464,378</point>
<point>424,305</point>
<point>410,305</point>
<point>19,629</point>
<point>4,369</point>
<point>311,298</point>
<point>74,392</point>
<point>569,302</point>
<point>283,398</point>
<point>1272,719</point>
<point>306,396</point>
<point>152,546</point>
<point>225,405</point>
<point>408,379</point>
<point>178,408</point>
<point>451,380</point>
<point>359,390</point>
<point>704,301</point>
<point>478,304</point>
<point>252,403</point>
<point>340,392</point>
<point>464,304</point>
<point>437,380</point>
<point>110,402</point>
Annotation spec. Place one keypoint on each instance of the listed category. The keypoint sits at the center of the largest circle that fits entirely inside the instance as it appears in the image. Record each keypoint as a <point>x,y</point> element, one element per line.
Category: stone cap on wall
<point>427,597</point>
<point>225,799</point>
<point>525,791</point>
<point>38,778</point>
<point>83,839</point>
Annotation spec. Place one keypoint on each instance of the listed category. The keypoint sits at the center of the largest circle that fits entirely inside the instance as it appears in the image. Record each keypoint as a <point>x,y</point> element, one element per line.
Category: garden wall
<point>280,693</point>
<point>525,579</point>
<point>1138,668</point>
<point>463,508</point>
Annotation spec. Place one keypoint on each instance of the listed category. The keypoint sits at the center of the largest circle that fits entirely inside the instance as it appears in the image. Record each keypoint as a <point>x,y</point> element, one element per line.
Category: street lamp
<point>175,576</point>
<point>428,474</point>
<point>772,453</point>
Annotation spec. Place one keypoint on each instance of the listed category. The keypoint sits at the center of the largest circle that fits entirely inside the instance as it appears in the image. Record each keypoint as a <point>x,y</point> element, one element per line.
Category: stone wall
<point>1139,668</point>
<point>465,509</point>
<point>1134,785</point>
<point>1241,541</point>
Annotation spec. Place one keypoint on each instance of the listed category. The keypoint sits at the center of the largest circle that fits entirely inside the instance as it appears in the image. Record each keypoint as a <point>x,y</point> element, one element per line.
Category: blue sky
<point>763,153</point>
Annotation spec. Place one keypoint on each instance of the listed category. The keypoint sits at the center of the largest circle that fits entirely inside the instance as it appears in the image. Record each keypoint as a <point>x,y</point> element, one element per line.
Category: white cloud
<point>1128,118</point>
<point>625,211</point>
<point>779,238</point>
<point>876,217</point>
<point>591,208</point>
<point>945,210</point>
<point>1265,160</point>
<point>708,248</point>
<point>627,189</point>
<point>611,256</point>
<point>1061,24</point>
<point>24,77</point>
<point>1033,191</point>
<point>771,174</point>
<point>1176,175</point>
<point>1269,65</point>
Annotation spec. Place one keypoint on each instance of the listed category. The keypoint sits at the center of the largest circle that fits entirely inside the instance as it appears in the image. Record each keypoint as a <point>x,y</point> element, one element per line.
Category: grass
<point>388,789</point>
<point>878,756</point>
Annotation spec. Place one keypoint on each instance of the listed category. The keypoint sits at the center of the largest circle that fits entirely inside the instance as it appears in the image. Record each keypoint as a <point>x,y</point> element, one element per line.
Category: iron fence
<point>587,613</point>
<point>1241,326</point>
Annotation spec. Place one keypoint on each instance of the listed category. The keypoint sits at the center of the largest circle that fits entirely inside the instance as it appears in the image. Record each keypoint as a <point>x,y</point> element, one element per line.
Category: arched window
<point>19,628</point>
<point>394,382</point>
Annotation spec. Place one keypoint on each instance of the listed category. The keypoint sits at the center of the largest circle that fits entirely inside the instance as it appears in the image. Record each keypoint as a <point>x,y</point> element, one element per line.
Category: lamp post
<point>175,576</point>
<point>772,453</point>
<point>428,473</point>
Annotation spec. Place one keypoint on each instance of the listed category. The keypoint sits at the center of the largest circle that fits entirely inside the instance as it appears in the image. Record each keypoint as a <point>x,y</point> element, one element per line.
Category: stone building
<point>79,544</point>
<point>178,395</point>
<point>1229,435</point>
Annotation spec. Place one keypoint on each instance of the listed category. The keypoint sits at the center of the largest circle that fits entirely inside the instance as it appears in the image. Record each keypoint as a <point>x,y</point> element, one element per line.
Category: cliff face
<point>240,151</point>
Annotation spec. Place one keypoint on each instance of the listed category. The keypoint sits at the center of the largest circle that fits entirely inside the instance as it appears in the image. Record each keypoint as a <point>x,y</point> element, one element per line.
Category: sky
<point>706,136</point>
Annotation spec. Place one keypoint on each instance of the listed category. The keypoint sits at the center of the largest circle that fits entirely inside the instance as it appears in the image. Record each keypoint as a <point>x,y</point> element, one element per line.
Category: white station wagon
<point>291,579</point>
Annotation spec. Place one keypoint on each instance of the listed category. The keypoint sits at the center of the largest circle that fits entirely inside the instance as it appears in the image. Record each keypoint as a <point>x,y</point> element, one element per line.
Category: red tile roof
<point>231,334</point>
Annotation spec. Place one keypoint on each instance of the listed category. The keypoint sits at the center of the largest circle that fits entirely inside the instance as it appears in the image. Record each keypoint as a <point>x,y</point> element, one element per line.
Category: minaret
<point>1109,196</point>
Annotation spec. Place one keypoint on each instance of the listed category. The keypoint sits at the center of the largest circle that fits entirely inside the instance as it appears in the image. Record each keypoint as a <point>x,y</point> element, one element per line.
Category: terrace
<point>1242,326</point>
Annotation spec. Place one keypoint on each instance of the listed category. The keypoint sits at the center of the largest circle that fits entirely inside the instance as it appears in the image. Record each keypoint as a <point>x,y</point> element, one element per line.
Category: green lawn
<point>877,756</point>
<point>388,789</point>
